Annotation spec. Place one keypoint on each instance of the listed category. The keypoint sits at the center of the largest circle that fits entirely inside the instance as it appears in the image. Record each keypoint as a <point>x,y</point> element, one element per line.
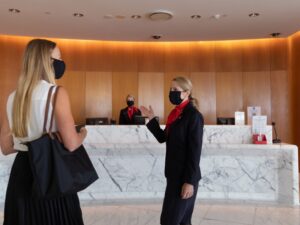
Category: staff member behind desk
<point>127,114</point>
<point>183,136</point>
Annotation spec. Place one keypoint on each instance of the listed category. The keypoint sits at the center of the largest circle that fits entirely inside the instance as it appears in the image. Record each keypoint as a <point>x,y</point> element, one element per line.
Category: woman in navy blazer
<point>183,136</point>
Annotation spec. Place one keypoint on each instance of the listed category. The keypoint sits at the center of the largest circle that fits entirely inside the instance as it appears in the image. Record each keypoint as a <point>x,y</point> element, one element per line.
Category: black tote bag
<point>57,171</point>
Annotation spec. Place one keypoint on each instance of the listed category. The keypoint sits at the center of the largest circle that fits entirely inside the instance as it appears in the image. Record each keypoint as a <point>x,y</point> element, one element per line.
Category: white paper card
<point>259,124</point>
<point>239,118</point>
<point>252,111</point>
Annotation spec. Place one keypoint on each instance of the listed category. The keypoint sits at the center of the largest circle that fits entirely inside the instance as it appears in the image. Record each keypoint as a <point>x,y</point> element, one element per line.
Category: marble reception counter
<point>130,164</point>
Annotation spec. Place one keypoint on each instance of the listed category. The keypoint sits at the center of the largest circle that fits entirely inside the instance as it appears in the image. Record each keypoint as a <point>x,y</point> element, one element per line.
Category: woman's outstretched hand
<point>147,112</point>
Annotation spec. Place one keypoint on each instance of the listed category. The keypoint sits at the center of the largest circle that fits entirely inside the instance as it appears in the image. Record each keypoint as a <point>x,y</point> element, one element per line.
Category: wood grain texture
<point>229,93</point>
<point>151,57</point>
<point>256,55</point>
<point>257,91</point>
<point>151,92</point>
<point>74,83</point>
<point>124,57</point>
<point>279,54</point>
<point>176,57</point>
<point>98,97</point>
<point>279,104</point>
<point>123,83</point>
<point>228,56</point>
<point>202,56</point>
<point>204,89</point>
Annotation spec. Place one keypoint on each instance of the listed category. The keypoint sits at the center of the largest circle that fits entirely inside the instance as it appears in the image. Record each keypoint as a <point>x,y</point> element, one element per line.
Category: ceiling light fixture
<point>196,17</point>
<point>218,16</point>
<point>161,15</point>
<point>254,14</point>
<point>108,16</point>
<point>275,34</point>
<point>12,10</point>
<point>78,15</point>
<point>120,17</point>
<point>136,17</point>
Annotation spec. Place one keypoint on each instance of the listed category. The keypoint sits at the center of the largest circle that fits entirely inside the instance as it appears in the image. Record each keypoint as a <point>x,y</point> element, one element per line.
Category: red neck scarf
<point>176,112</point>
<point>130,111</point>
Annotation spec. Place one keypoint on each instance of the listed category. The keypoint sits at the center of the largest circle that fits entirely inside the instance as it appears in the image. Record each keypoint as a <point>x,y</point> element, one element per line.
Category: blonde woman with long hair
<point>23,122</point>
<point>183,136</point>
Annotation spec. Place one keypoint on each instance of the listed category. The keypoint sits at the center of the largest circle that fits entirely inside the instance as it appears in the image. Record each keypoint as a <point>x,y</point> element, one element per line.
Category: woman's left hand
<point>187,191</point>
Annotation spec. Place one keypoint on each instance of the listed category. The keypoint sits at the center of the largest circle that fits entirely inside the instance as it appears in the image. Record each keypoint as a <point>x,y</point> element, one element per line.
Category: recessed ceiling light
<point>108,16</point>
<point>78,15</point>
<point>275,34</point>
<point>196,17</point>
<point>120,17</point>
<point>161,15</point>
<point>218,16</point>
<point>12,10</point>
<point>136,17</point>
<point>254,14</point>
<point>156,36</point>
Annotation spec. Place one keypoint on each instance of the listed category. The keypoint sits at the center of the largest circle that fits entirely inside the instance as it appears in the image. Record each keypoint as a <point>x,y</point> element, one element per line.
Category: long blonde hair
<point>37,65</point>
<point>186,84</point>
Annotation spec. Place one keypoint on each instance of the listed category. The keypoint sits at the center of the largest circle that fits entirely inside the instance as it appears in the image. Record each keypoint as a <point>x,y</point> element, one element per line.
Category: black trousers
<point>177,211</point>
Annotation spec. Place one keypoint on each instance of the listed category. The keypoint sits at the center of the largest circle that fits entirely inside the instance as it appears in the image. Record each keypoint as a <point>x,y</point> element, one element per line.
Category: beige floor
<point>205,214</point>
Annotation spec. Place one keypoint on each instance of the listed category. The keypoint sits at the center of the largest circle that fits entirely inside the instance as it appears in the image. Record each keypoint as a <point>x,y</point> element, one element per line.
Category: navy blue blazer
<point>184,145</point>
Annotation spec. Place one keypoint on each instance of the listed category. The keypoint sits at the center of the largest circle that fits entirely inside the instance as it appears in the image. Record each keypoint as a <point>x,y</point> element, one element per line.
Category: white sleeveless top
<point>37,114</point>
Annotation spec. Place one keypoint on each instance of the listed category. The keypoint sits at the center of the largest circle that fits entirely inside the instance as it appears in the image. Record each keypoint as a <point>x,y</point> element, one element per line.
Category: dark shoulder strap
<point>53,108</point>
<point>47,108</point>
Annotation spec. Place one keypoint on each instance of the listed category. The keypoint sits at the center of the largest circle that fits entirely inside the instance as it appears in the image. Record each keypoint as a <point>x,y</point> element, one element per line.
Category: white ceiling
<point>276,16</point>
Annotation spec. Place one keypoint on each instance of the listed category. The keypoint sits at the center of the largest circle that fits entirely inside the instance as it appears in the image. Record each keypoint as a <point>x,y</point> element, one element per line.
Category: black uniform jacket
<point>124,118</point>
<point>184,143</point>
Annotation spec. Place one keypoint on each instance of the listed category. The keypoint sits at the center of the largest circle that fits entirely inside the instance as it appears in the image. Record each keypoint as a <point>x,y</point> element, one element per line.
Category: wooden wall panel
<point>151,92</point>
<point>294,90</point>
<point>124,57</point>
<point>256,55</point>
<point>279,54</point>
<point>204,62</point>
<point>176,57</point>
<point>228,56</point>
<point>151,57</point>
<point>257,91</point>
<point>279,104</point>
<point>99,57</point>
<point>123,83</point>
<point>202,56</point>
<point>98,97</point>
<point>204,89</point>
<point>11,54</point>
<point>167,84</point>
<point>73,52</point>
<point>74,83</point>
<point>229,93</point>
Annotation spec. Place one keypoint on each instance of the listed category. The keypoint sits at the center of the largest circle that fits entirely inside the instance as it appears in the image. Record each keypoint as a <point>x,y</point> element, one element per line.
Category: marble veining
<point>232,134</point>
<point>130,164</point>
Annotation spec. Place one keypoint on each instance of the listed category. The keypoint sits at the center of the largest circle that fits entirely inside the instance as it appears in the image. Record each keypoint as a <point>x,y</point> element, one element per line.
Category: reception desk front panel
<point>130,164</point>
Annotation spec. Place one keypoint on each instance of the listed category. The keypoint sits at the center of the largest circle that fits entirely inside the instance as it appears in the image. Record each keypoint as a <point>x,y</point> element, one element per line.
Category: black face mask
<point>130,103</point>
<point>174,97</point>
<point>59,68</point>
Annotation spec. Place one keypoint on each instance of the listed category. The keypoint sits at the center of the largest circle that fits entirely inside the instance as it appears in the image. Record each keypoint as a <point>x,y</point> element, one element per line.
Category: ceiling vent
<point>161,15</point>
